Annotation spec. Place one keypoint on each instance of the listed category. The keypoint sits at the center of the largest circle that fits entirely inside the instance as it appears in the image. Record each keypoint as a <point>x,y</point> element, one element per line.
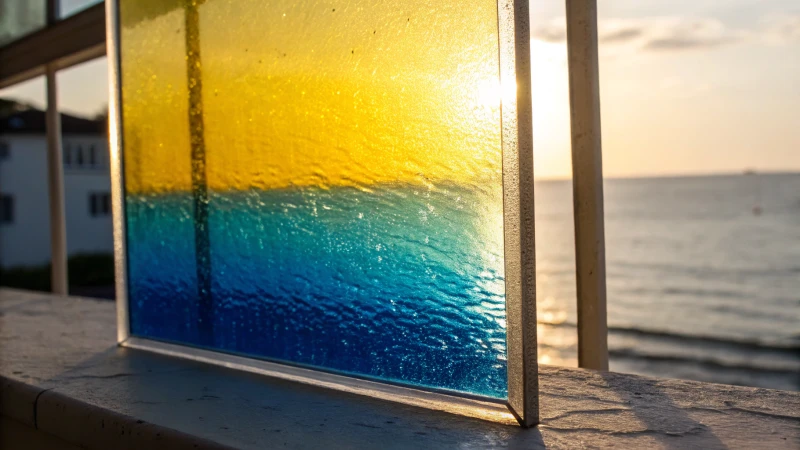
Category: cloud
<point>553,32</point>
<point>621,35</point>
<point>683,43</point>
<point>661,34</point>
<point>682,34</point>
<point>781,29</point>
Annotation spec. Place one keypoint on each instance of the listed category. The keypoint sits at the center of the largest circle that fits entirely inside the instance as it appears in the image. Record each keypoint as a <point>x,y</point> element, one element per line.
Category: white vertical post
<point>55,181</point>
<point>55,176</point>
<point>587,179</point>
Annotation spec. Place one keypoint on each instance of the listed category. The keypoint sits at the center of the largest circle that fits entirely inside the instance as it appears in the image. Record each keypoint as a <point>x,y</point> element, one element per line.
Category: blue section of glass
<point>162,286</point>
<point>394,282</point>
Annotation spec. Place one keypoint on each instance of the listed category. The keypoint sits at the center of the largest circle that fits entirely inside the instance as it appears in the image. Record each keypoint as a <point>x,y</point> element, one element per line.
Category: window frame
<point>93,156</point>
<point>92,204</point>
<point>99,204</point>
<point>105,204</point>
<point>67,156</point>
<point>79,160</point>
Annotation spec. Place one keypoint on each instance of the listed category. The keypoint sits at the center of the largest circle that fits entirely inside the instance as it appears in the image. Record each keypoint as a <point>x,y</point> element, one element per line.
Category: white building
<point>24,207</point>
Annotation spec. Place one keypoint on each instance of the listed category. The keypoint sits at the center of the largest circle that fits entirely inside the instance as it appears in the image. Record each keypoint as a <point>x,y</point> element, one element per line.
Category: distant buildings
<point>24,207</point>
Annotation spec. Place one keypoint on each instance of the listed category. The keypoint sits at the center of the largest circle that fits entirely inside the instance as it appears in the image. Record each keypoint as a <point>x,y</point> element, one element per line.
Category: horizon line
<point>743,172</point>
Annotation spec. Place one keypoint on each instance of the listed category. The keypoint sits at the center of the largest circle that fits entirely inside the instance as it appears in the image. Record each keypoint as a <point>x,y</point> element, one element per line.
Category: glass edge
<point>117,173</point>
<point>327,370</point>
<point>518,211</point>
<point>492,411</point>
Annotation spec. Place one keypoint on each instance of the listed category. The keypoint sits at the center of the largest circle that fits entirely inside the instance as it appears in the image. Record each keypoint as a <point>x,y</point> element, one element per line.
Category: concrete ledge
<point>13,434</point>
<point>61,376</point>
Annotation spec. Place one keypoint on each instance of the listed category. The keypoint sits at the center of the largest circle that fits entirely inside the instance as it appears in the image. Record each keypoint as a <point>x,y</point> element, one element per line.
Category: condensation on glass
<point>319,183</point>
<point>21,17</point>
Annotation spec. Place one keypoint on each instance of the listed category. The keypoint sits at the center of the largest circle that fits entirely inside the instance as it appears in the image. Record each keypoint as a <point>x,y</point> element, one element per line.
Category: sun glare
<point>490,93</point>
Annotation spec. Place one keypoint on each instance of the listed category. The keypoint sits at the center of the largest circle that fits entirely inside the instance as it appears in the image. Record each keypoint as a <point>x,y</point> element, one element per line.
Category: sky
<point>687,87</point>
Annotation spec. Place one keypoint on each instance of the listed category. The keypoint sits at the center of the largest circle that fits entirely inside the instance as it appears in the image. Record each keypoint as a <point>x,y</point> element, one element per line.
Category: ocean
<point>703,277</point>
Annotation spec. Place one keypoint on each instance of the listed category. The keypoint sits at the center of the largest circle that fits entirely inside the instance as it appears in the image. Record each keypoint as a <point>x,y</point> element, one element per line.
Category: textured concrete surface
<point>62,374</point>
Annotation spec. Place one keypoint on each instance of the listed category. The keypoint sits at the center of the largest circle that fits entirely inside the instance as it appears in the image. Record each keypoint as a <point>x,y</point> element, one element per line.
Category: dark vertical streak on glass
<point>199,183</point>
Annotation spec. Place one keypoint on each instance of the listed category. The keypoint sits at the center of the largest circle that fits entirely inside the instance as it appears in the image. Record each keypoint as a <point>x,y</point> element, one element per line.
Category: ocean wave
<point>625,267</point>
<point>706,362</point>
<point>746,344</point>
<point>688,292</point>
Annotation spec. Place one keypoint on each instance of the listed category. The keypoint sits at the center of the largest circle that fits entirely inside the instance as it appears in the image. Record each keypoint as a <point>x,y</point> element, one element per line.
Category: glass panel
<point>25,236</point>
<point>700,114</point>
<point>319,184</point>
<point>83,102</point>
<point>70,7</point>
<point>21,17</point>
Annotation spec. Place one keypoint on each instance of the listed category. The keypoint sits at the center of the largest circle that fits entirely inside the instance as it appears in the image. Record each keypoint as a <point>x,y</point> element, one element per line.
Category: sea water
<point>703,277</point>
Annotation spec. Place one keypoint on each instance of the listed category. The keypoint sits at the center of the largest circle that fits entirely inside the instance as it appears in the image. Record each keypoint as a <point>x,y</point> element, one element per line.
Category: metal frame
<point>520,267</point>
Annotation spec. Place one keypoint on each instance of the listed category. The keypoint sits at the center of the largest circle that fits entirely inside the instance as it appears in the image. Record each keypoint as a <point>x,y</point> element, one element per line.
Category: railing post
<point>55,176</point>
<point>587,179</point>
<point>55,181</point>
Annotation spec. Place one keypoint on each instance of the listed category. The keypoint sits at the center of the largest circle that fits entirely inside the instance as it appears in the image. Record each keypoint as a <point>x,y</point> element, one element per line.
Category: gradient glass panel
<point>319,183</point>
<point>21,17</point>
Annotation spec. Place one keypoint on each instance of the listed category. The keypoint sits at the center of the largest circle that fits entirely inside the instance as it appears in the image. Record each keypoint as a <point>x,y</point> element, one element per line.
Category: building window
<point>92,156</point>
<point>5,151</point>
<point>6,209</point>
<point>79,156</point>
<point>67,155</point>
<point>99,204</point>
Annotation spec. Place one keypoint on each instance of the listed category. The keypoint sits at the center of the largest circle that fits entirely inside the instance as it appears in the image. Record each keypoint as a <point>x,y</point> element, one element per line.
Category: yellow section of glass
<point>312,93</point>
<point>155,102</point>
